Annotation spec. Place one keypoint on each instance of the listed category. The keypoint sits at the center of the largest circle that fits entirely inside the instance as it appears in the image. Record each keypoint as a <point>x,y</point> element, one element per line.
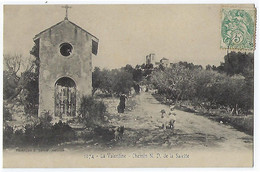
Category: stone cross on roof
<point>66,7</point>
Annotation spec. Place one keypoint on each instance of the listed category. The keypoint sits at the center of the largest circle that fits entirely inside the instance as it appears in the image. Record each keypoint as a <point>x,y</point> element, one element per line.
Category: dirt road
<point>142,120</point>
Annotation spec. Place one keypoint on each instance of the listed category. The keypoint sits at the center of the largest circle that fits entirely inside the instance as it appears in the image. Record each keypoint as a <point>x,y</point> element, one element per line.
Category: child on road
<point>168,119</point>
<point>172,117</point>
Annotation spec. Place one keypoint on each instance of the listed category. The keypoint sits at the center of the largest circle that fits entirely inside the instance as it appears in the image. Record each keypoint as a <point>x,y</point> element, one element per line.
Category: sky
<point>127,33</point>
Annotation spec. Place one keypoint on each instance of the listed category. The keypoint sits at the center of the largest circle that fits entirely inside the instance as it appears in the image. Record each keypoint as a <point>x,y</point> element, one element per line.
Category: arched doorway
<point>65,97</point>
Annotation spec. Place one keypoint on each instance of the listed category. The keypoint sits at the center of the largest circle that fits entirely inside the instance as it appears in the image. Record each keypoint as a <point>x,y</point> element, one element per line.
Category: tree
<point>190,66</point>
<point>12,66</point>
<point>122,81</point>
<point>12,63</point>
<point>15,78</point>
<point>9,85</point>
<point>176,83</point>
<point>106,81</point>
<point>161,67</point>
<point>149,66</point>
<point>30,93</point>
<point>143,66</point>
<point>128,68</point>
<point>96,80</point>
<point>21,78</point>
<point>205,86</point>
<point>137,75</point>
<point>113,81</point>
<point>237,63</point>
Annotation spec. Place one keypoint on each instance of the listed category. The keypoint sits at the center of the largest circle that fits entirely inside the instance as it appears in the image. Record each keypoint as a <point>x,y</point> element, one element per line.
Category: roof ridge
<point>37,35</point>
<point>164,58</point>
<point>82,29</point>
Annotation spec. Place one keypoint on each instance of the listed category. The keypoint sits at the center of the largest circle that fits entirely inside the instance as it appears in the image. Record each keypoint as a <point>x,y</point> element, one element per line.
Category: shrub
<point>38,134</point>
<point>62,132</point>
<point>7,116</point>
<point>46,119</point>
<point>42,134</point>
<point>9,84</point>
<point>30,94</point>
<point>18,137</point>
<point>91,111</point>
<point>7,135</point>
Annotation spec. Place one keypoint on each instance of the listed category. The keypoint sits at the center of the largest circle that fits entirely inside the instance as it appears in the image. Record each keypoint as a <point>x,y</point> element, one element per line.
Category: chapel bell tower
<point>65,71</point>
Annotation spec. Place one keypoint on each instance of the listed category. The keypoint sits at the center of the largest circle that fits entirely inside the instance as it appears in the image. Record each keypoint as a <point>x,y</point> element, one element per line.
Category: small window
<point>65,49</point>
<point>94,47</point>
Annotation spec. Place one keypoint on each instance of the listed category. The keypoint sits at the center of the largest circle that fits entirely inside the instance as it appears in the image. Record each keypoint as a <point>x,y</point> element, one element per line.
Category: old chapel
<point>65,70</point>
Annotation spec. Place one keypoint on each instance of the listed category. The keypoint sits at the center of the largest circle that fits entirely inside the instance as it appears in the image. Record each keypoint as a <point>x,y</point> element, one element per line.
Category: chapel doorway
<point>65,97</point>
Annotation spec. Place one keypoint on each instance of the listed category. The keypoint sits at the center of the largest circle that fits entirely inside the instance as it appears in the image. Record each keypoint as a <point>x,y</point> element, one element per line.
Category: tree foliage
<point>30,94</point>
<point>21,78</point>
<point>116,81</point>
<point>176,82</point>
<point>187,82</point>
<point>238,63</point>
<point>235,63</point>
<point>16,74</point>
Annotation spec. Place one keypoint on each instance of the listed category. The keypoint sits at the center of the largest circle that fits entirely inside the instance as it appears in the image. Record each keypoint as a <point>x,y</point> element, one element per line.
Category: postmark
<point>237,29</point>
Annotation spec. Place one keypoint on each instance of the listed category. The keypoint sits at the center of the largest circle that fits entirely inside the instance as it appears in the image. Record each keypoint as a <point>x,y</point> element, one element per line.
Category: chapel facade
<point>65,68</point>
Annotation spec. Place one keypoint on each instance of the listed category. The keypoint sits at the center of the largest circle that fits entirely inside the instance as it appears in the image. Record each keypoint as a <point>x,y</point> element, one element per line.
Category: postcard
<point>162,85</point>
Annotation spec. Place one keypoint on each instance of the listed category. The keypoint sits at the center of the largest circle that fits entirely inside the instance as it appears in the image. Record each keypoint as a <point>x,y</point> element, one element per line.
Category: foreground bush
<point>38,135</point>
<point>91,111</point>
<point>7,116</point>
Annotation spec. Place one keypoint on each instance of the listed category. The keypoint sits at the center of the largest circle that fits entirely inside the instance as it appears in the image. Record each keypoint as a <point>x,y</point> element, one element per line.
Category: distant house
<point>150,59</point>
<point>157,64</point>
<point>165,62</point>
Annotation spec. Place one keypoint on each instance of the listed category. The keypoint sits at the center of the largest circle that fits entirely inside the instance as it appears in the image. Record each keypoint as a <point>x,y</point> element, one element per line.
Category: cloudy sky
<point>127,33</point>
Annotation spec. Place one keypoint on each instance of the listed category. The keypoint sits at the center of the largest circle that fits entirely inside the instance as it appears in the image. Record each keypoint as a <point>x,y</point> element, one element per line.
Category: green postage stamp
<point>238,28</point>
